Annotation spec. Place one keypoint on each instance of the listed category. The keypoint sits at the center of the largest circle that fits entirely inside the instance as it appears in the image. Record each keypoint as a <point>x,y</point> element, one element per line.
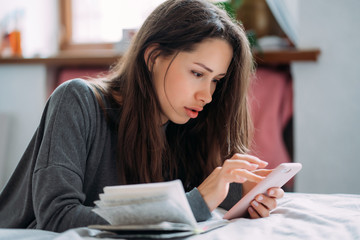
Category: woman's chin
<point>180,120</point>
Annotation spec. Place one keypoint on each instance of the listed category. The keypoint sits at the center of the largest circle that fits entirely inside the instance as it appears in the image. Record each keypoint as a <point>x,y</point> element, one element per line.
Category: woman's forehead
<point>214,54</point>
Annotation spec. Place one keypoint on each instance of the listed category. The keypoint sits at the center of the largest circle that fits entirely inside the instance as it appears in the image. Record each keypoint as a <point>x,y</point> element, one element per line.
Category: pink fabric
<point>271,109</point>
<point>71,73</point>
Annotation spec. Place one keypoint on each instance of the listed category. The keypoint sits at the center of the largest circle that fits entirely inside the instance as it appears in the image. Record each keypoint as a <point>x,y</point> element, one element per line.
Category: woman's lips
<point>192,113</point>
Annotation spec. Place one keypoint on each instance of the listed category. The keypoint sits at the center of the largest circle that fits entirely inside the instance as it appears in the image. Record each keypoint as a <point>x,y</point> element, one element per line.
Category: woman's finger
<point>253,214</point>
<point>250,158</point>
<point>268,202</point>
<point>261,210</point>
<point>275,192</point>
<point>250,176</point>
<point>230,165</point>
<point>263,172</point>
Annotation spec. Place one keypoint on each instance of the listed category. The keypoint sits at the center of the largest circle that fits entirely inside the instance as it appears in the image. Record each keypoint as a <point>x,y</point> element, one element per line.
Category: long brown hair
<point>148,152</point>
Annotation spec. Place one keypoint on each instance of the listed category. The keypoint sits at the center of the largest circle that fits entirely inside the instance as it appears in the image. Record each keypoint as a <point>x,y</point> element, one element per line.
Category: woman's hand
<point>263,203</point>
<point>239,168</point>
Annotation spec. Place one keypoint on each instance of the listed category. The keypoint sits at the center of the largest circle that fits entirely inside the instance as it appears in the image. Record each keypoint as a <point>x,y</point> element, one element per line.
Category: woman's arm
<point>62,161</point>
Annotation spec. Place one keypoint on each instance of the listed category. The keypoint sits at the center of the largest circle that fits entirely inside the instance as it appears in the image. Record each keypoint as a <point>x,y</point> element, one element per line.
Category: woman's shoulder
<point>78,88</point>
<point>74,85</point>
<point>80,97</point>
<point>73,94</point>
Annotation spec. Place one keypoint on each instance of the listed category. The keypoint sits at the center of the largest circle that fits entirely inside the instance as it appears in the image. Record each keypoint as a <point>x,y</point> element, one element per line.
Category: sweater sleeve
<point>198,205</point>
<point>200,208</point>
<point>58,195</point>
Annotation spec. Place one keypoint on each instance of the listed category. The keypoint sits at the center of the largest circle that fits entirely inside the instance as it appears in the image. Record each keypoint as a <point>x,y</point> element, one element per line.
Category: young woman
<point>174,107</point>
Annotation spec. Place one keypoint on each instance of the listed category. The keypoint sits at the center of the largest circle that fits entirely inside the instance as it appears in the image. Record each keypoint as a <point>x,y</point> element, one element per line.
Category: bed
<point>298,216</point>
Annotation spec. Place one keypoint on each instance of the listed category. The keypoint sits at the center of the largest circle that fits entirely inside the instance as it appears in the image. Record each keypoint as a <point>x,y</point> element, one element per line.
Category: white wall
<point>327,98</point>
<point>22,98</point>
<point>4,136</point>
<point>23,88</point>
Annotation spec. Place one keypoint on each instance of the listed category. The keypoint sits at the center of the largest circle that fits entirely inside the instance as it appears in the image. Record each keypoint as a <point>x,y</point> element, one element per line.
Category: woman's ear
<point>150,55</point>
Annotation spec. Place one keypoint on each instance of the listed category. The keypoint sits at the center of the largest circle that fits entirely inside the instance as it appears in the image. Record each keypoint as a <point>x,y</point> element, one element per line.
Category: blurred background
<point>304,96</point>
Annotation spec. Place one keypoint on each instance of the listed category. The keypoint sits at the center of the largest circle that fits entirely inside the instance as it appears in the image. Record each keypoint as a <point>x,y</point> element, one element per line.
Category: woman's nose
<point>205,94</point>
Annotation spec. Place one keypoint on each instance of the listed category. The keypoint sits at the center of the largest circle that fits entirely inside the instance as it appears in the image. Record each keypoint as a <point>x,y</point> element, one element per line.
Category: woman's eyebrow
<point>208,69</point>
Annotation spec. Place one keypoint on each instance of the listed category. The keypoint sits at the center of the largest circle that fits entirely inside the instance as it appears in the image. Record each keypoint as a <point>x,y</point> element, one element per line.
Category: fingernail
<point>260,198</point>
<point>255,165</point>
<point>255,203</point>
<point>272,192</point>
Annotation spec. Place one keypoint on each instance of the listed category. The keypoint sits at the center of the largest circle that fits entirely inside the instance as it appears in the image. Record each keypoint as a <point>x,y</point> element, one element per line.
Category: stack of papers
<point>152,210</point>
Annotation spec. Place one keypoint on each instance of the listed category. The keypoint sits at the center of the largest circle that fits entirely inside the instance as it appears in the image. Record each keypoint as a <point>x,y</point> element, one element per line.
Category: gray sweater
<point>69,160</point>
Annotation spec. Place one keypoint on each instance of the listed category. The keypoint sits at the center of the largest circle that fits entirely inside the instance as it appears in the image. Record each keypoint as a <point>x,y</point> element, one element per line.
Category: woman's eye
<point>216,81</point>
<point>196,74</point>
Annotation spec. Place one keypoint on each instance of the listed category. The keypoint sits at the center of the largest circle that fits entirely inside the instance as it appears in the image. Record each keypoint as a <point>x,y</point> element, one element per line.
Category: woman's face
<point>185,85</point>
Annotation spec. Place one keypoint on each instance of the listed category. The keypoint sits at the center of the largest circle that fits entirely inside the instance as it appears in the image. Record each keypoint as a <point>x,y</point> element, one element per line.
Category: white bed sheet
<point>298,216</point>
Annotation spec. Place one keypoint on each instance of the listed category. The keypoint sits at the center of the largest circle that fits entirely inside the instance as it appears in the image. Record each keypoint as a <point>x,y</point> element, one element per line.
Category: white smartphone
<point>277,178</point>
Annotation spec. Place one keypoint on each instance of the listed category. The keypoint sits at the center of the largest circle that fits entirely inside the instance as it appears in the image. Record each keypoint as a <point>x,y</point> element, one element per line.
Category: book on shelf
<point>151,210</point>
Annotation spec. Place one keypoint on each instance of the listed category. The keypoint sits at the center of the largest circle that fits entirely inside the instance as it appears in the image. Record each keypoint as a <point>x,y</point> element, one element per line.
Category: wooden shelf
<point>285,56</point>
<point>93,58</point>
<point>102,58</point>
